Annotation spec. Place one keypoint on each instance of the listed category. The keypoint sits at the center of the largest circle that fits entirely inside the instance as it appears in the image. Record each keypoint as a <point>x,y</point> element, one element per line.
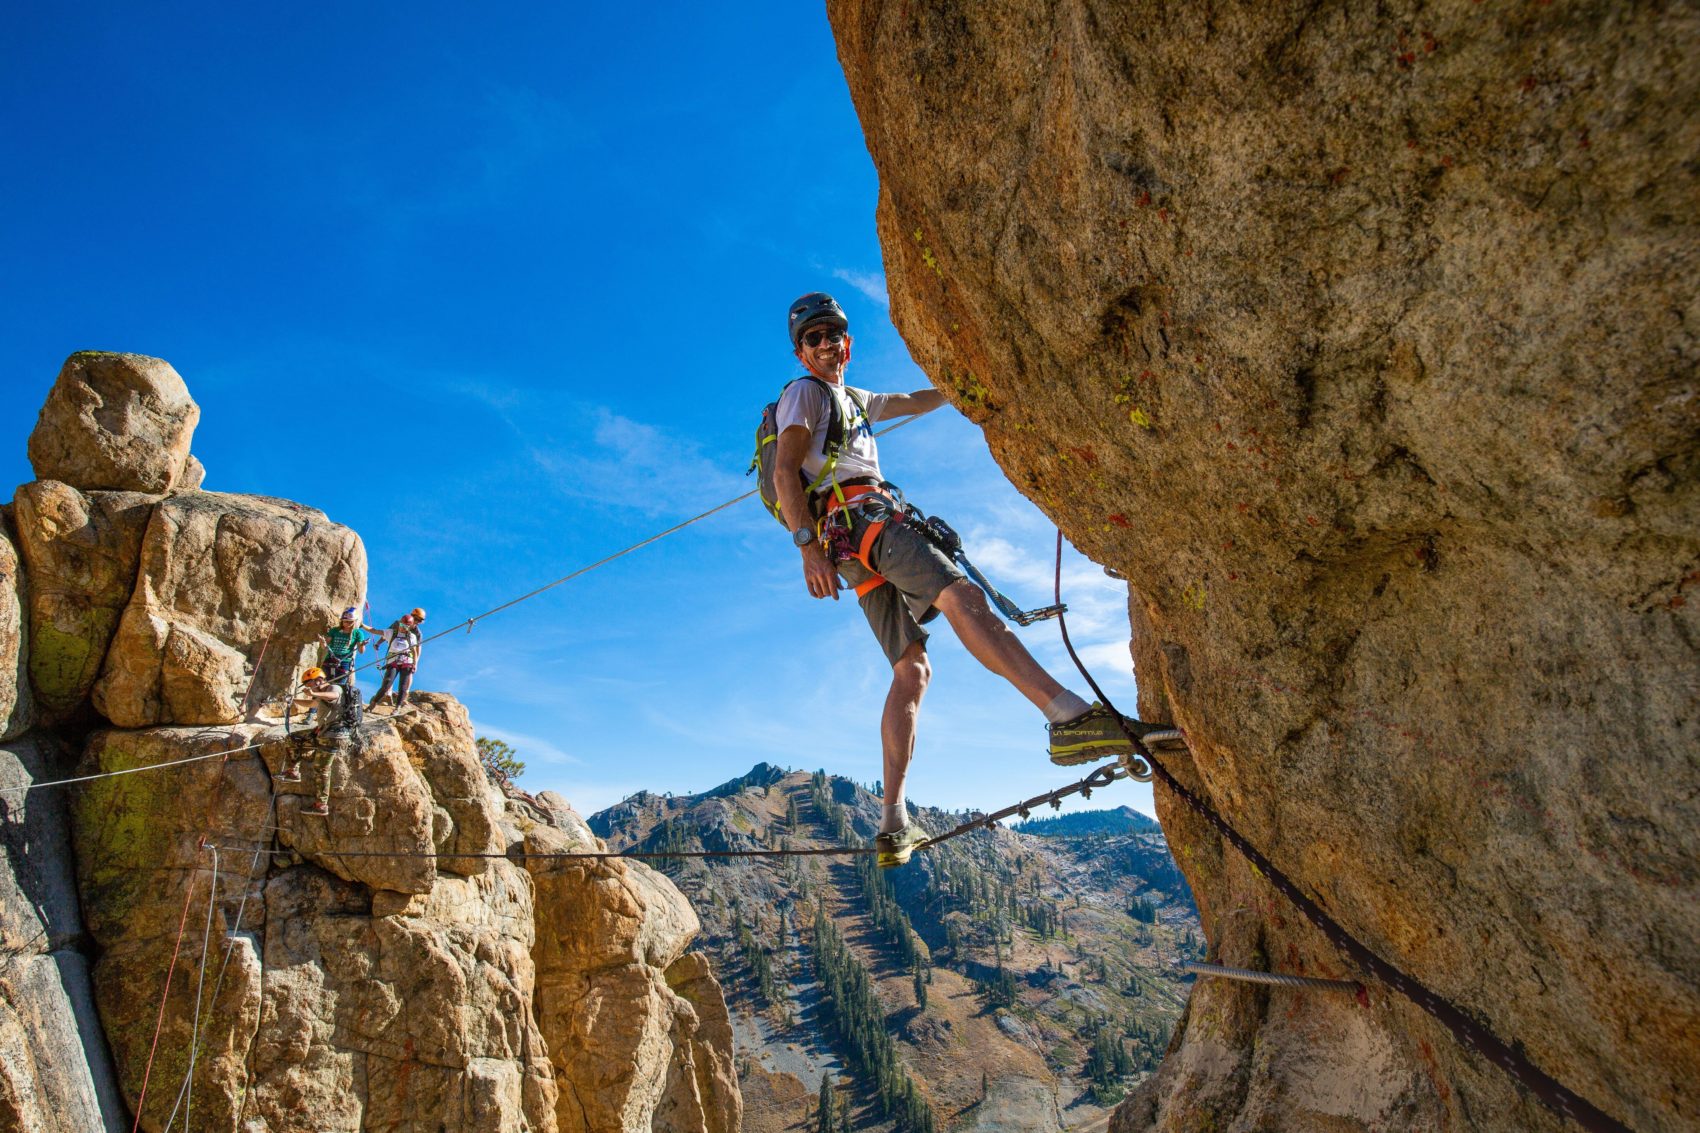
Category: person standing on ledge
<point>405,643</point>
<point>852,524</point>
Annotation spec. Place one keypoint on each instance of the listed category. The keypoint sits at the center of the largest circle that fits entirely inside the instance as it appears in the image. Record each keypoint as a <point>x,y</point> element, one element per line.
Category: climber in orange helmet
<point>330,699</point>
<point>405,642</point>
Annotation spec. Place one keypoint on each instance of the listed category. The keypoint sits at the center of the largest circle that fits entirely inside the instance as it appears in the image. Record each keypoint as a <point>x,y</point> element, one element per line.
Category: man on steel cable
<point>846,519</point>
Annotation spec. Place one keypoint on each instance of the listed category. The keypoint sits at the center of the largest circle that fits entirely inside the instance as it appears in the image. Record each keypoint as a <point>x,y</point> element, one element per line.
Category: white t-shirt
<point>804,403</point>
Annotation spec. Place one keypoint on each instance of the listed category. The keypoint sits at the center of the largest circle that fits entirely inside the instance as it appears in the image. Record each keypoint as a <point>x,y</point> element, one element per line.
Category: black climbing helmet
<point>815,308</point>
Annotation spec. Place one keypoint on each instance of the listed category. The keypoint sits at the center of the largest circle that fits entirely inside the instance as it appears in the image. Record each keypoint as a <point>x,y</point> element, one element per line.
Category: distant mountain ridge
<point>1121,820</point>
<point>1000,980</point>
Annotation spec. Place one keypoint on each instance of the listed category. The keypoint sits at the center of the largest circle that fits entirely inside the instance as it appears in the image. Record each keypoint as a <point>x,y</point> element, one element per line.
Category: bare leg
<point>984,635</point>
<point>902,705</point>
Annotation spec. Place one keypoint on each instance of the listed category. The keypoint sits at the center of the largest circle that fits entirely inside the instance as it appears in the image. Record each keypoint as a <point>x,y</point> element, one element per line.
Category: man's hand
<point>818,573</point>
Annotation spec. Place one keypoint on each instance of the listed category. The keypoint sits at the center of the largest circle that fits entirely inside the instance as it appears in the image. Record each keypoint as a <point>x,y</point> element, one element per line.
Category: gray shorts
<point>916,573</point>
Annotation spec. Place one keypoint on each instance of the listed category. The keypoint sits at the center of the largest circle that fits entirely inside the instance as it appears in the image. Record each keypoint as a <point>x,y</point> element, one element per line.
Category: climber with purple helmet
<point>848,521</point>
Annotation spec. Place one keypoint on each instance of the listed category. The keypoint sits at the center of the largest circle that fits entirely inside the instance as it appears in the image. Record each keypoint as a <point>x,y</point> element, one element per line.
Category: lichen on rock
<point>82,549</point>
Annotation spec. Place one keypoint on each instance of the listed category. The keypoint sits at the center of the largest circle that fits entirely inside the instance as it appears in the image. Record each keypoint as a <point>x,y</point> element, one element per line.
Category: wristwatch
<point>802,536</point>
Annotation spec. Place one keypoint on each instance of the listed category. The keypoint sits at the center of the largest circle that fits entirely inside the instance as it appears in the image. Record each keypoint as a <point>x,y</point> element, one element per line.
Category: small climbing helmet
<point>313,674</point>
<point>815,308</point>
<point>350,614</point>
<point>418,613</point>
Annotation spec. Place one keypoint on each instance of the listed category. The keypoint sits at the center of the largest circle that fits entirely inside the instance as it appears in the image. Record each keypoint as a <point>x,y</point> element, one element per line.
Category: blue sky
<point>505,293</point>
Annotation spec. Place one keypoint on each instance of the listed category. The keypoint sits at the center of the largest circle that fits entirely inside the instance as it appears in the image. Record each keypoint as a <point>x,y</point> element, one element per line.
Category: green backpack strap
<point>835,439</point>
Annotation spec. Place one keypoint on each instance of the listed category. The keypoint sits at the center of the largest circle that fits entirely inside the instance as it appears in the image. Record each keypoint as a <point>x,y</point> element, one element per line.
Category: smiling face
<point>825,350</point>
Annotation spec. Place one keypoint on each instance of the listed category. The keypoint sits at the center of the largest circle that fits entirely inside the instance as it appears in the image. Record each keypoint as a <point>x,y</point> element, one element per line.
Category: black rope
<point>1470,1033</point>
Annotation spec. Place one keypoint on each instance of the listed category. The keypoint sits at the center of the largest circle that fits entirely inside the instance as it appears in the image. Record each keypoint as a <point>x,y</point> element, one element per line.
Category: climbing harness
<point>876,503</point>
<point>879,503</point>
<point>1470,1033</point>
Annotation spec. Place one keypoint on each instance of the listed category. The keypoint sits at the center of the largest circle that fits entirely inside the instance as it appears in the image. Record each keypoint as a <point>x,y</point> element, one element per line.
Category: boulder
<point>38,890</point>
<point>417,1021</point>
<point>702,1094</point>
<point>1361,341</point>
<point>380,805</point>
<point>121,422</point>
<point>225,582</point>
<point>149,885</point>
<point>47,1078</point>
<point>16,704</point>
<point>339,990</point>
<point>194,474</point>
<point>81,550</point>
<point>437,737</point>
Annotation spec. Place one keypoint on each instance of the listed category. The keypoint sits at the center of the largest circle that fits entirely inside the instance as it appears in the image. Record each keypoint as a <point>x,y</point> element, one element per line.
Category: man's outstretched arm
<point>818,574</point>
<point>904,404</point>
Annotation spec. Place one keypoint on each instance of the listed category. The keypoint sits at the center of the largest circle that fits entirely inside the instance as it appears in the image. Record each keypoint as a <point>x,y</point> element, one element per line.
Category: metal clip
<point>1136,767</point>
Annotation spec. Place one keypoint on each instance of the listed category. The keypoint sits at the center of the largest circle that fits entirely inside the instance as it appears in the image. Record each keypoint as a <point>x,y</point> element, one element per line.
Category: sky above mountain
<point>505,293</point>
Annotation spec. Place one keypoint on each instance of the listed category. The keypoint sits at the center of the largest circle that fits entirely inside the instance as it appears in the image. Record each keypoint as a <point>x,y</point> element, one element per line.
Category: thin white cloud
<point>530,750</point>
<point>633,464</point>
<point>869,283</point>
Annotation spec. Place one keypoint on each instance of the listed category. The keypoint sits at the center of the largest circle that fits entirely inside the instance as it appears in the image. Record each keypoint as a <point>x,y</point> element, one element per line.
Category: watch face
<point>802,536</point>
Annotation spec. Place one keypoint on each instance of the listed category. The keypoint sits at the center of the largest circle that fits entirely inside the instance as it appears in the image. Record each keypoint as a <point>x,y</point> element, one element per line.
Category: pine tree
<point>826,1121</point>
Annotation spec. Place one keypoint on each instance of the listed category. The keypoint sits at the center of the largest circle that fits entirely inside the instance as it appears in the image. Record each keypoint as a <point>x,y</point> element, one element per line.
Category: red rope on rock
<point>159,1023</point>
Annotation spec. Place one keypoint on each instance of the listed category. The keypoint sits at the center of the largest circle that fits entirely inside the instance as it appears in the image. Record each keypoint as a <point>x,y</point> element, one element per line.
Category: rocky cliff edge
<point>260,969</point>
<point>1361,340</point>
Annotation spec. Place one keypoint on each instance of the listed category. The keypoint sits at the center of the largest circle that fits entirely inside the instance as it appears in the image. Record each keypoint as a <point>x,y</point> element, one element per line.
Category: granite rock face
<point>1362,342</point>
<point>54,1070</point>
<point>222,579</point>
<point>121,422</point>
<point>81,550</point>
<point>637,1028</point>
<point>360,992</point>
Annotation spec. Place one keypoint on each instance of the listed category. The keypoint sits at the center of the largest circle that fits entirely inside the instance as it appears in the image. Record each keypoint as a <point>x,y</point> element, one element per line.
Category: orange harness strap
<point>868,536</point>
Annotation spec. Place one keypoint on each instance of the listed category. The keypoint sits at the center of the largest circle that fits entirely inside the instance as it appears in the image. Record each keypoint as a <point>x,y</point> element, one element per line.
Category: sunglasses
<point>815,338</point>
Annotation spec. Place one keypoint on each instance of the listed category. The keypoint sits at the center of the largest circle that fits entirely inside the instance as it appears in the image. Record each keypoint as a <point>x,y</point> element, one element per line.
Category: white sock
<point>896,816</point>
<point>1064,707</point>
